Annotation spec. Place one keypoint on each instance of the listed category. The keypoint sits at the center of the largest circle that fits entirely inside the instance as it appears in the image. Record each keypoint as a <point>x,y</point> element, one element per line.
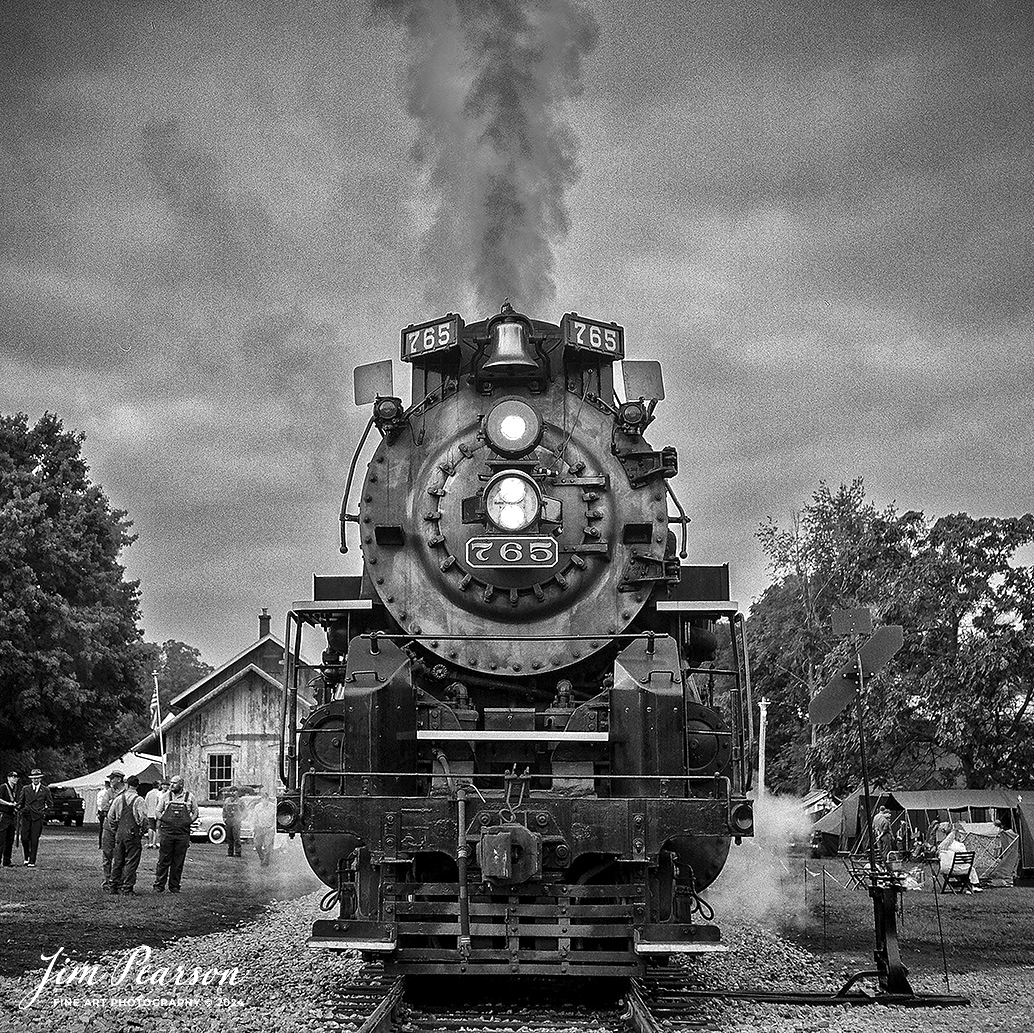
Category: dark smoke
<point>487,81</point>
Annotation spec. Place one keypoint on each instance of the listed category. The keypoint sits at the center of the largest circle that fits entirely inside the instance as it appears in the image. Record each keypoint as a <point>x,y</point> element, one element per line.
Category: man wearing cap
<point>881,832</point>
<point>33,802</point>
<point>151,800</point>
<point>177,811</point>
<point>108,828</point>
<point>8,816</point>
<point>128,816</point>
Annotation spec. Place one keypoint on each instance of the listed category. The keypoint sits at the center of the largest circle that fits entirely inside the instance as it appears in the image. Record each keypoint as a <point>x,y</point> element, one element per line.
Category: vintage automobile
<point>67,807</point>
<point>210,824</point>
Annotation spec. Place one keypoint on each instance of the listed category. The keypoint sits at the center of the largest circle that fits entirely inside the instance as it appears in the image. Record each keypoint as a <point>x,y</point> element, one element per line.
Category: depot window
<point>220,774</point>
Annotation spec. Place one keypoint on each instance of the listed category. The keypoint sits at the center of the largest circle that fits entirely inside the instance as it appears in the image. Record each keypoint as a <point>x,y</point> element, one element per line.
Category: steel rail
<point>381,1019</point>
<point>637,1012</point>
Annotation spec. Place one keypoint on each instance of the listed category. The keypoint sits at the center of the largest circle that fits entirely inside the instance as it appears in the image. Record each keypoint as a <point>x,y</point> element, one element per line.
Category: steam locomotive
<point>518,754</point>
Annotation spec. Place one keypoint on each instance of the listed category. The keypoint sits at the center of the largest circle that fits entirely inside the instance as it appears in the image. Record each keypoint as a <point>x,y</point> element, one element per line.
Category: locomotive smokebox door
<point>509,854</point>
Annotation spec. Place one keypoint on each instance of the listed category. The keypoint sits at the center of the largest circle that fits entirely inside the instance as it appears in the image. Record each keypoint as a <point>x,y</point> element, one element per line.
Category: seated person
<point>952,844</point>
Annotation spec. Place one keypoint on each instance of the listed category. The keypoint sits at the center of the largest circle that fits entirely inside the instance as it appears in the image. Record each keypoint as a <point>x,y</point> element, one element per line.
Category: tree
<point>178,666</point>
<point>963,683</point>
<point>974,654</point>
<point>69,655</point>
<point>835,554</point>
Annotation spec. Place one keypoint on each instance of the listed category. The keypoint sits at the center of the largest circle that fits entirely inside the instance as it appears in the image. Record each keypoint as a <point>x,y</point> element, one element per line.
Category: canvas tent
<point>920,809</point>
<point>143,765</point>
<point>843,828</point>
<point>1003,854</point>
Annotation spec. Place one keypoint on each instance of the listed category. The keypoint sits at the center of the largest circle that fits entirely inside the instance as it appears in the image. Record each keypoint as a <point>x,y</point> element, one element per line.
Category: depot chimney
<point>264,620</point>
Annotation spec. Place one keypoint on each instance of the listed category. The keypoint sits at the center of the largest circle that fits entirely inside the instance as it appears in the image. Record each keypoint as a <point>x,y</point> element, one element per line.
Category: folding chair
<point>859,872</point>
<point>956,878</point>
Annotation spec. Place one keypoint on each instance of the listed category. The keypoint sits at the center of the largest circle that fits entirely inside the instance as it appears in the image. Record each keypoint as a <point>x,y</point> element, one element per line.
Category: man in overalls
<point>177,811</point>
<point>128,814</point>
<point>116,791</point>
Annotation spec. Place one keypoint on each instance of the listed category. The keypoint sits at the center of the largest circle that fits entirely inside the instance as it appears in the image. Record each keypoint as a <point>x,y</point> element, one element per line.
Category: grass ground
<point>983,931</point>
<point>60,904</point>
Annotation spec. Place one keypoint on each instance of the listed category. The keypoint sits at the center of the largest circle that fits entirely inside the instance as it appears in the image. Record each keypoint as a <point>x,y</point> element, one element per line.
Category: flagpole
<point>158,714</point>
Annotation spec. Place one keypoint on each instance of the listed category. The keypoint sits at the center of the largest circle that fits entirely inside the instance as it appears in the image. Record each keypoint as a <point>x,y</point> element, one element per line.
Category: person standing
<point>103,803</point>
<point>881,833</point>
<point>117,788</point>
<point>33,801</point>
<point>177,811</point>
<point>8,817</point>
<point>263,816</point>
<point>128,815</point>
<point>232,808</point>
<point>151,805</point>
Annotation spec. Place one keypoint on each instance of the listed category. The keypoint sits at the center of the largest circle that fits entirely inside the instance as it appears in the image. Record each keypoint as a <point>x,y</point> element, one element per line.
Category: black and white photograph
<point>516,516</point>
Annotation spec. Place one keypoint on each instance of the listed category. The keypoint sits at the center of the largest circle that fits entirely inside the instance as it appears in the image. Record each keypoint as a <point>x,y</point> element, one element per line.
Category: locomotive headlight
<point>512,501</point>
<point>513,428</point>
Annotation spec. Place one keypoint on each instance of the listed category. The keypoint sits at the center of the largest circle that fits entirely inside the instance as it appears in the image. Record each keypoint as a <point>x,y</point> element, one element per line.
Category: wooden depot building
<point>225,729</point>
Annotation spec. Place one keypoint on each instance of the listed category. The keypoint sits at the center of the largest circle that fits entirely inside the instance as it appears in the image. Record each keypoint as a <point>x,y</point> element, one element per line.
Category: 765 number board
<point>522,551</point>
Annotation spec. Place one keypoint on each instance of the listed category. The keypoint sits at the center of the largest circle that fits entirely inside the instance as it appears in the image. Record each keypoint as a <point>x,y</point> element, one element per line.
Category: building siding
<point>242,721</point>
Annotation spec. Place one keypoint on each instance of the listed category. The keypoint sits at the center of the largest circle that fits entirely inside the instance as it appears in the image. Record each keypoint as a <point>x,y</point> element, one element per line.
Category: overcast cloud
<point>818,216</point>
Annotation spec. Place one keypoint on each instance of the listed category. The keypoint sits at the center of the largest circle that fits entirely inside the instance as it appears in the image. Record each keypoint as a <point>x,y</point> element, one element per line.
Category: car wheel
<point>216,834</point>
<point>67,823</point>
<point>78,823</point>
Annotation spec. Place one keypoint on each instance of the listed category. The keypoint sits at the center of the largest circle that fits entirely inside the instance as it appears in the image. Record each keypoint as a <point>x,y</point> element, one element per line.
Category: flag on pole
<point>156,706</point>
<point>156,719</point>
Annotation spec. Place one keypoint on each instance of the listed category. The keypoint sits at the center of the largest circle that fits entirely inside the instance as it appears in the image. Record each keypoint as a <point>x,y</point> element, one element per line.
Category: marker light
<point>512,501</point>
<point>513,428</point>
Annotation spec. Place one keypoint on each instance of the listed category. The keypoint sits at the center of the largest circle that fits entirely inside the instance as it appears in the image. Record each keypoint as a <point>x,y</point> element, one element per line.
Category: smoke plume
<point>487,81</point>
<point>761,882</point>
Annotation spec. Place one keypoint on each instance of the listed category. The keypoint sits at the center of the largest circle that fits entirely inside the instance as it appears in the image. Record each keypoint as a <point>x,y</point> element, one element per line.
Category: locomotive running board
<point>376,937</point>
<point>673,939</point>
<point>661,947</point>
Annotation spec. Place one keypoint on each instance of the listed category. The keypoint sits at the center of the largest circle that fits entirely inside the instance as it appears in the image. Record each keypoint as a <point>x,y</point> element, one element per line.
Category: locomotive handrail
<point>345,517</point>
<point>684,520</point>
<point>283,706</point>
<point>380,635</point>
<point>747,685</point>
<point>488,735</point>
<point>532,776</point>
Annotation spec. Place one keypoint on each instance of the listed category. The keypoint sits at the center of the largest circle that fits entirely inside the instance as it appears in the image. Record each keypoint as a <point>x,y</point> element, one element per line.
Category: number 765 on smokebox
<point>591,335</point>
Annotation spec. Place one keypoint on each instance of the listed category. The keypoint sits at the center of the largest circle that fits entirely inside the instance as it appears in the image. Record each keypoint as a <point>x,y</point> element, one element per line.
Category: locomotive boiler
<point>518,753</point>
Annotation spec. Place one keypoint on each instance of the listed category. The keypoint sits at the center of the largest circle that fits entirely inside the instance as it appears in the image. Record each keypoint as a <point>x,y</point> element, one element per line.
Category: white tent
<point>143,765</point>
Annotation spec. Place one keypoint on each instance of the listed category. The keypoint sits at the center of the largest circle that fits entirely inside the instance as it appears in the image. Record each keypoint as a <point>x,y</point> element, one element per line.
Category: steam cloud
<point>761,881</point>
<point>486,81</point>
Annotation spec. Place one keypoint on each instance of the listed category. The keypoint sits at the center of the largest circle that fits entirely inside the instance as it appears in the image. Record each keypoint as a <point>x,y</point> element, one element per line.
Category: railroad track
<point>667,1002</point>
<point>376,1003</point>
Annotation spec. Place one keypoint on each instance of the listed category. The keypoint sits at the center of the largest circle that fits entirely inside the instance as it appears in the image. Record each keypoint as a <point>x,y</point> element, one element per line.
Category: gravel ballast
<point>282,986</point>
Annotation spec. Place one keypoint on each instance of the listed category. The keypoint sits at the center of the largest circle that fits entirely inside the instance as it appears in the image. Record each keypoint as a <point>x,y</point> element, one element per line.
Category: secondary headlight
<point>512,501</point>
<point>513,428</point>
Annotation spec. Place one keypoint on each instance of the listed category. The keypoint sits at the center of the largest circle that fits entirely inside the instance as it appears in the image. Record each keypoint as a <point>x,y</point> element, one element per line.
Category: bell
<point>508,348</point>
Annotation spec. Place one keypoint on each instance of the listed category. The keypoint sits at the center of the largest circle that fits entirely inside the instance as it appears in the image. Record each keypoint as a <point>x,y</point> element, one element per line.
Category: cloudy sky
<point>818,216</point>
